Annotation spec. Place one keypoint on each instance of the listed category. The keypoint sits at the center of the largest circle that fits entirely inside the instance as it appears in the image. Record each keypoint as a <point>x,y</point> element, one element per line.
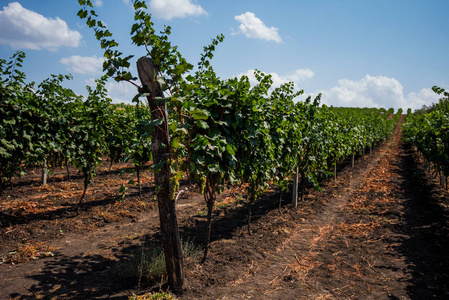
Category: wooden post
<point>137,168</point>
<point>68,171</point>
<point>335,170</point>
<point>167,211</point>
<point>295,188</point>
<point>44,172</point>
<point>352,159</point>
<point>442,178</point>
<point>303,186</point>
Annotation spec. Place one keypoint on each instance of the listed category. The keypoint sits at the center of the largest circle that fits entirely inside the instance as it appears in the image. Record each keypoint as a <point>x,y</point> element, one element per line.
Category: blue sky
<point>364,53</point>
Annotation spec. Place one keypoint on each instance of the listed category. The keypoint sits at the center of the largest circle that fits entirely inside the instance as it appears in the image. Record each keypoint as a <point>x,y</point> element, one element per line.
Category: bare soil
<point>381,231</point>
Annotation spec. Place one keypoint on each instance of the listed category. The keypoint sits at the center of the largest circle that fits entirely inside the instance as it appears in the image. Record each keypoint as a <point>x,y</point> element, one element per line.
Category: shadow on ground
<point>426,218</point>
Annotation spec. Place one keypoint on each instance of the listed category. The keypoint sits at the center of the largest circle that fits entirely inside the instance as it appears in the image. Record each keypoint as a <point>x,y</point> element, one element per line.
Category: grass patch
<point>154,296</point>
<point>149,262</point>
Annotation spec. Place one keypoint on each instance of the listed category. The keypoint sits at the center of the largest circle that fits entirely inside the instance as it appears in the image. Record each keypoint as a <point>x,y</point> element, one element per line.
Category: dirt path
<point>384,235</point>
<point>79,269</point>
<point>297,255</point>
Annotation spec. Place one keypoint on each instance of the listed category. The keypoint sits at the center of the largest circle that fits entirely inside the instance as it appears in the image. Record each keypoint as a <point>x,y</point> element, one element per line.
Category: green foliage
<point>52,142</point>
<point>89,124</point>
<point>154,296</point>
<point>220,130</point>
<point>429,132</point>
<point>17,121</point>
<point>50,123</point>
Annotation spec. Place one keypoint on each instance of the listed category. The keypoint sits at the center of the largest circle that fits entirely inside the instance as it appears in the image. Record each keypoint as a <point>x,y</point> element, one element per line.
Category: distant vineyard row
<point>428,130</point>
<point>51,126</point>
<point>235,132</point>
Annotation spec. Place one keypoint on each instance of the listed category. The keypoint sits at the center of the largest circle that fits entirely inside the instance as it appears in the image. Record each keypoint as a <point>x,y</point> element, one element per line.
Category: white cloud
<point>169,9</point>
<point>98,3</point>
<point>424,97</point>
<point>23,28</point>
<point>119,92</point>
<point>376,91</point>
<point>296,77</point>
<point>84,65</point>
<point>253,27</point>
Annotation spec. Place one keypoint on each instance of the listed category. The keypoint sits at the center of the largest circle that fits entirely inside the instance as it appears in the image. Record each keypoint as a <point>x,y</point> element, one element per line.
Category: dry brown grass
<point>357,230</point>
<point>28,251</point>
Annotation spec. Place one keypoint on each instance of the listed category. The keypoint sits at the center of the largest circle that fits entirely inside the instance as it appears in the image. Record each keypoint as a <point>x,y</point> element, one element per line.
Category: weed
<point>149,262</point>
<point>154,296</point>
<point>26,252</point>
<point>201,213</point>
<point>190,249</point>
<point>239,200</point>
<point>221,206</point>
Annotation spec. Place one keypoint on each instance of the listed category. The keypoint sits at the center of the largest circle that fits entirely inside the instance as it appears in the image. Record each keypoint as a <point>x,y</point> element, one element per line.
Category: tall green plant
<point>163,69</point>
<point>89,123</point>
<point>210,114</point>
<point>16,124</point>
<point>429,132</point>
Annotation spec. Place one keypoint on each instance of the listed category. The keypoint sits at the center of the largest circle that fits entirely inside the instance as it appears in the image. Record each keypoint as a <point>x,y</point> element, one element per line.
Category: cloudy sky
<point>364,53</point>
